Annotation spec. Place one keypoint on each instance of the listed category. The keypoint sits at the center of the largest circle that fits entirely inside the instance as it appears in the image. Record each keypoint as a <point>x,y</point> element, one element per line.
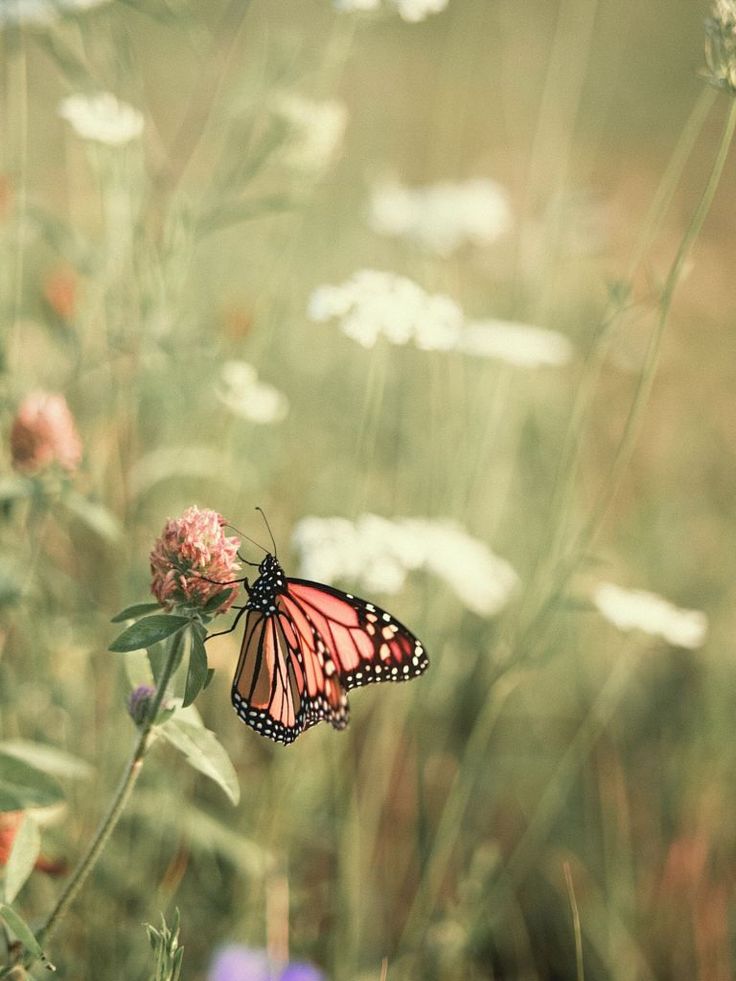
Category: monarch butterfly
<point>305,645</point>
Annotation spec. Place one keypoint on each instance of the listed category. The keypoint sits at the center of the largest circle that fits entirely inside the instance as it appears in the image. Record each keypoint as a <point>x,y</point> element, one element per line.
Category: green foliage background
<point>435,832</point>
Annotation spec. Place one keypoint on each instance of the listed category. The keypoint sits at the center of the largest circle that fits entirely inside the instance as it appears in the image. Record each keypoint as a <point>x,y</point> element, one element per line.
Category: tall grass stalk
<point>117,804</point>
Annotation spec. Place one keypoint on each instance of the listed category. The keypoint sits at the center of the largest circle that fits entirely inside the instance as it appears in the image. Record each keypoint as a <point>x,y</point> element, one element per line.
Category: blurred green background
<point>432,836</point>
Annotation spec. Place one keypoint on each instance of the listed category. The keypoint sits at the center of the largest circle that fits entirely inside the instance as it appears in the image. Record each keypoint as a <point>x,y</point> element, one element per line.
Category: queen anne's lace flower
<point>441,218</point>
<point>412,11</point>
<point>373,304</point>
<point>40,12</point>
<point>44,433</point>
<point>192,550</point>
<point>246,396</point>
<point>378,553</point>
<point>635,609</point>
<point>316,130</point>
<point>102,118</point>
<point>521,345</point>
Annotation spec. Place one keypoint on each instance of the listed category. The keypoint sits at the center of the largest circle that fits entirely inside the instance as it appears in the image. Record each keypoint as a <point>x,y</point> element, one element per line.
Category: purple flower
<point>238,963</point>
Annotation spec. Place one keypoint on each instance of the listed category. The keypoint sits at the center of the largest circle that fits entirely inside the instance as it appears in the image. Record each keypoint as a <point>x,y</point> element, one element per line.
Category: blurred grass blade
<point>51,760</point>
<point>23,786</point>
<point>22,857</point>
<point>95,516</point>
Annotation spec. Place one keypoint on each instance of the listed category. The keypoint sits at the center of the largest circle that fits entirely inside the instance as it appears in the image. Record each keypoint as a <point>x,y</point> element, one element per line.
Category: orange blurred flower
<point>10,822</point>
<point>60,292</point>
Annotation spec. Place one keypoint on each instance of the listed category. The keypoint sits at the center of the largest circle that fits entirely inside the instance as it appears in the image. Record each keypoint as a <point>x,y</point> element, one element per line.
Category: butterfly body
<point>305,645</point>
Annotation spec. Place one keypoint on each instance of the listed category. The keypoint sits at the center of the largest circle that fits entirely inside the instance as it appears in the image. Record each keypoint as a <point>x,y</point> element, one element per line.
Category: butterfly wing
<point>364,642</point>
<point>285,681</point>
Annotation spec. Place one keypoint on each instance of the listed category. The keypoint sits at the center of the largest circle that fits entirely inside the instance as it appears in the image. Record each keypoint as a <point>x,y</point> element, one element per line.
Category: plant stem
<point>117,805</point>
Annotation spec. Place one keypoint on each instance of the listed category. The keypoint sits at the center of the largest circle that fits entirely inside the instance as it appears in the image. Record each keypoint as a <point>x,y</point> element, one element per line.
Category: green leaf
<point>48,758</point>
<point>203,751</point>
<point>135,611</point>
<point>22,857</point>
<point>12,488</point>
<point>147,632</point>
<point>23,786</point>
<point>198,670</point>
<point>20,928</point>
<point>210,676</point>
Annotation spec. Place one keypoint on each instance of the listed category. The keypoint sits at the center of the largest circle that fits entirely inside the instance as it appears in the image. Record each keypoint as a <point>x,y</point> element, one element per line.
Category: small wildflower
<point>240,963</point>
<point>720,45</point>
<point>102,118</point>
<point>41,12</point>
<point>411,11</point>
<point>636,609</point>
<point>378,553</point>
<point>373,304</point>
<point>191,551</point>
<point>246,396</point>
<point>441,218</point>
<point>316,130</point>
<point>520,345</point>
<point>44,433</point>
<point>139,703</point>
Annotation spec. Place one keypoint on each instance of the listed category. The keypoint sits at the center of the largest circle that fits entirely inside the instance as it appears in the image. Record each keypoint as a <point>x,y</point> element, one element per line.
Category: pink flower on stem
<point>192,560</point>
<point>44,433</point>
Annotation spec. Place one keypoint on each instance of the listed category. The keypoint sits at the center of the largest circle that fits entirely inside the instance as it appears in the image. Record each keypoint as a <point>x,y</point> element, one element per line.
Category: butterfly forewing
<point>366,643</point>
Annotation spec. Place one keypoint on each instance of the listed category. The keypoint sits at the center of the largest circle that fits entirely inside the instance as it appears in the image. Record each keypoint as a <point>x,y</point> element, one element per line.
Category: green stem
<point>117,805</point>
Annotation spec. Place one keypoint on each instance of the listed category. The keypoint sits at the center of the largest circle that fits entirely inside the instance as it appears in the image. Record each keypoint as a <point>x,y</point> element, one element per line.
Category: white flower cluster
<point>635,609</point>
<point>441,218</point>
<point>40,12</point>
<point>520,345</point>
<point>377,554</point>
<point>102,118</point>
<point>411,11</point>
<point>245,395</point>
<point>316,130</point>
<point>373,304</point>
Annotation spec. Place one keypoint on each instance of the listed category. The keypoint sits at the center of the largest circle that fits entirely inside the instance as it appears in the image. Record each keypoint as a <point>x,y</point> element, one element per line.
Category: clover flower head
<point>192,559</point>
<point>44,433</point>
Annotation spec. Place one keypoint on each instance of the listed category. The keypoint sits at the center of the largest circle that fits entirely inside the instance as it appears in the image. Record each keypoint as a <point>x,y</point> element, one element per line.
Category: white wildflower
<point>635,609</point>
<point>411,11</point>
<point>521,345</point>
<point>242,392</point>
<point>40,12</point>
<point>378,553</point>
<point>316,130</point>
<point>102,118</point>
<point>443,217</point>
<point>372,304</point>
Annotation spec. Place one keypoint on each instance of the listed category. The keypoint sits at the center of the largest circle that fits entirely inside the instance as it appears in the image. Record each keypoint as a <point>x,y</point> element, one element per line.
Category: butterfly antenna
<point>247,538</point>
<point>268,526</point>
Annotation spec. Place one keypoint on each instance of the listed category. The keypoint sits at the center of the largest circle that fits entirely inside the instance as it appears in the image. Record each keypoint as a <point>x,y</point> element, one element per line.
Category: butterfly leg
<point>220,633</point>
